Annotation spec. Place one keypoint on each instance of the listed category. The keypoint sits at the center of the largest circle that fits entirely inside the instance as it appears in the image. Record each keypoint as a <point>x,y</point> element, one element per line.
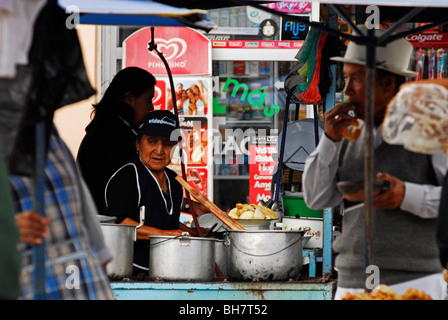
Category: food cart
<point>310,287</point>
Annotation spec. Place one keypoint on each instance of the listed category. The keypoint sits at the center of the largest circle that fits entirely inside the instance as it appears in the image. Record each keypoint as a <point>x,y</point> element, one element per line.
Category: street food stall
<point>259,260</point>
<point>302,288</point>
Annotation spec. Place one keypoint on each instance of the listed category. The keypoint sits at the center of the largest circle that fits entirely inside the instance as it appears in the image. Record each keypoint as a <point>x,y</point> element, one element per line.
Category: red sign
<point>428,40</point>
<point>261,166</point>
<point>197,178</point>
<point>256,44</point>
<point>290,7</point>
<point>187,51</point>
<point>159,100</point>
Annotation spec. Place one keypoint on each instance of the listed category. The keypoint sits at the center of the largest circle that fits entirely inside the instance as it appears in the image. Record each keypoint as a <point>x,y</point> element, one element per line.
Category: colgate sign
<point>187,51</point>
<point>428,39</point>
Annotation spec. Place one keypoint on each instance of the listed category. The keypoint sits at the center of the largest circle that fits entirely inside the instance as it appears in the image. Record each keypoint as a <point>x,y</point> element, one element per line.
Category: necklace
<point>163,184</point>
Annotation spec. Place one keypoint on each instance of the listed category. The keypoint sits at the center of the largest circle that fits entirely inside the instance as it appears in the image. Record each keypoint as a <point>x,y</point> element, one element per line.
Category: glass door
<point>248,106</point>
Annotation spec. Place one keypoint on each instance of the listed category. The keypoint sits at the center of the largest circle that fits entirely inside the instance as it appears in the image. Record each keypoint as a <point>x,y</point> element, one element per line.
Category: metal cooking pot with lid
<point>264,255</point>
<point>182,258</point>
<point>120,238</point>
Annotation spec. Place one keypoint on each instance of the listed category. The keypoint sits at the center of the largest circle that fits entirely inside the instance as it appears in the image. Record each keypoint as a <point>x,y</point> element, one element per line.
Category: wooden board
<point>221,215</point>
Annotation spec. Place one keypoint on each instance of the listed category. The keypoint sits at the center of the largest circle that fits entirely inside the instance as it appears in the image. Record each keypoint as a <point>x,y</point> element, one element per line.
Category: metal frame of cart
<point>303,290</point>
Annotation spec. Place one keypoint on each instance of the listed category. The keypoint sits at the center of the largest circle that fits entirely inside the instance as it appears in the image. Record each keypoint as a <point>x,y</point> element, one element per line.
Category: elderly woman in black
<point>146,181</point>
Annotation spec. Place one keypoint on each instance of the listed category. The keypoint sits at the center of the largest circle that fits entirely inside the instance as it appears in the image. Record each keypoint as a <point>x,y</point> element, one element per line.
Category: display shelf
<point>235,177</point>
<point>253,123</point>
<point>252,75</point>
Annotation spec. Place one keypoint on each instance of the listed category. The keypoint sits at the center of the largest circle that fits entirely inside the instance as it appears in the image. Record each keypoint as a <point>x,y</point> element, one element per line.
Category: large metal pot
<point>221,257</point>
<point>182,258</point>
<point>264,255</point>
<point>120,238</point>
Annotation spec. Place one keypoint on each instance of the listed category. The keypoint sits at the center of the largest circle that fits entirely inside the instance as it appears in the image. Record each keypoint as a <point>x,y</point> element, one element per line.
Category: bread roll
<point>352,131</point>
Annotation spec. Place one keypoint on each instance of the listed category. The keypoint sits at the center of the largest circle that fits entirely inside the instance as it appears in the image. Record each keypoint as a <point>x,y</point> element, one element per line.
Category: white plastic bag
<point>417,118</point>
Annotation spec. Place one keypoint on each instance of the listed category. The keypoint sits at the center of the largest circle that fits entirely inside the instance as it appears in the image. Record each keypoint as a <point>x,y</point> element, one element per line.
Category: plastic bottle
<point>224,18</point>
<point>431,64</point>
<point>441,63</point>
<point>233,17</point>
<point>420,63</point>
<point>242,17</point>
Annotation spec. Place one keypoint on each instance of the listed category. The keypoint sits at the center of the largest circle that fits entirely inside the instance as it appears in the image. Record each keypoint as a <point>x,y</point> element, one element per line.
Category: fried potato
<point>413,294</point>
<point>268,212</point>
<point>247,215</point>
<point>234,213</point>
<point>384,292</point>
<point>258,212</point>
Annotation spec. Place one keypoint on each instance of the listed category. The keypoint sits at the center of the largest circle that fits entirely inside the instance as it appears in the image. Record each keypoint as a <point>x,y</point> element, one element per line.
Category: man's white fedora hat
<point>394,57</point>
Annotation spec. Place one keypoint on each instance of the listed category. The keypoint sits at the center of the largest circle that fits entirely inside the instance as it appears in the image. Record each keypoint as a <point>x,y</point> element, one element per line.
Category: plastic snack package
<point>417,118</point>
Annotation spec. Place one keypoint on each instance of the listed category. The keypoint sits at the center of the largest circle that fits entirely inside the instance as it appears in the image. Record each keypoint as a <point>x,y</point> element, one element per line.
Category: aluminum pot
<point>264,255</point>
<point>120,238</point>
<point>221,256</point>
<point>181,258</point>
<point>313,227</point>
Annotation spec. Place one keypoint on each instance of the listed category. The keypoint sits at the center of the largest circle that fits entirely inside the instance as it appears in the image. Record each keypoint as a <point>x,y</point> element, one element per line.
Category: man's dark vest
<point>404,245</point>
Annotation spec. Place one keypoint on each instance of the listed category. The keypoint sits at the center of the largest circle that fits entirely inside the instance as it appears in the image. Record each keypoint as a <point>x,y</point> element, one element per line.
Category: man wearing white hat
<point>404,250</point>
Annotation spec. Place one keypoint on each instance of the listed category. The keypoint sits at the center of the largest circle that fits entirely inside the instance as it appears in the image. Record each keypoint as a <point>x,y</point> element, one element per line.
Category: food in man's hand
<point>251,211</point>
<point>352,131</point>
<point>383,292</point>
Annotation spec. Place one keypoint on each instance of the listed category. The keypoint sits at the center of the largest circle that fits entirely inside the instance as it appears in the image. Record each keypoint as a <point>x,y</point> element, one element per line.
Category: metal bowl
<point>255,224</point>
<point>354,190</point>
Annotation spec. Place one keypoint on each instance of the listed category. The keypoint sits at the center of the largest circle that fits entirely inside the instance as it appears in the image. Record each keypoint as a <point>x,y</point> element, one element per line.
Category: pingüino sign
<point>181,48</point>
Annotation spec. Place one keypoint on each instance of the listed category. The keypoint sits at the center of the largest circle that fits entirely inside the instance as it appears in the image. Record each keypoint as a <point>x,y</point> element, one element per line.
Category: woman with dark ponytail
<point>110,137</point>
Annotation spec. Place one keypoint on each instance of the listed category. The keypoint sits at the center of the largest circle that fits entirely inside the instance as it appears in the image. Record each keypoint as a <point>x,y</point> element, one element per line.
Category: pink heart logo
<point>172,49</point>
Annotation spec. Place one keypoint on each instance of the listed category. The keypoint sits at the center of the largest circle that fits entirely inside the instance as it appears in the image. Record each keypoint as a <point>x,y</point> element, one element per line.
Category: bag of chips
<point>417,118</point>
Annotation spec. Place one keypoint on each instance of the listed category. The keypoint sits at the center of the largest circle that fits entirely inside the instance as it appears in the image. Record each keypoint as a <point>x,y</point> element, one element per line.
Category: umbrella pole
<point>153,46</point>
<point>369,150</point>
<point>39,250</point>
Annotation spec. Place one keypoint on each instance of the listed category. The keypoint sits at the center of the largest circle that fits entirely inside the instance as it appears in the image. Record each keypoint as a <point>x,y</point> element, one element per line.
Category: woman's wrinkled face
<point>155,151</point>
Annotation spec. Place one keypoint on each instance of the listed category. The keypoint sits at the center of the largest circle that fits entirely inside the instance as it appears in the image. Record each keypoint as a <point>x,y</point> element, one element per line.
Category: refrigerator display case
<point>252,54</point>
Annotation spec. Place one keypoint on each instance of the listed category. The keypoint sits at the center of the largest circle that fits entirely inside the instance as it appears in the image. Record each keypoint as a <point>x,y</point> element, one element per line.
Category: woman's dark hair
<point>135,80</point>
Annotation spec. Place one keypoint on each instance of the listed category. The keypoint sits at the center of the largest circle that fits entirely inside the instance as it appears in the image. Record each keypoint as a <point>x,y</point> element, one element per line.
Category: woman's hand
<point>32,226</point>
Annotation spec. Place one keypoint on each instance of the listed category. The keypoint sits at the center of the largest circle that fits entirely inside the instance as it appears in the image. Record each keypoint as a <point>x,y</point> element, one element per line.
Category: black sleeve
<point>442,224</point>
<point>101,153</point>
<point>122,195</point>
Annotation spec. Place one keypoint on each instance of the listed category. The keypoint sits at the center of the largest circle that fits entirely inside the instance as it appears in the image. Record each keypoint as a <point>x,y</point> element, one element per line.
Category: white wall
<point>71,120</point>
